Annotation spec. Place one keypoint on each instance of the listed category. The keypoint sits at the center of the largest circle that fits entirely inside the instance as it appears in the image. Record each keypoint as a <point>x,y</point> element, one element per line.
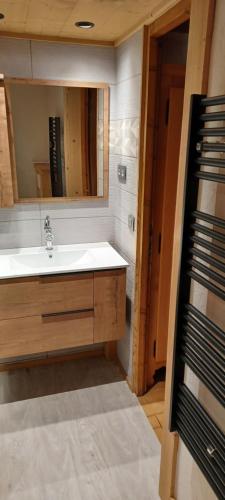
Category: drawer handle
<point>67,315</point>
<point>211,450</point>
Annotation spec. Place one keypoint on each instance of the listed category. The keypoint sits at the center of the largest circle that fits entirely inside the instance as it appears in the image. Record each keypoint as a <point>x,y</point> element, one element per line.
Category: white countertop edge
<point>69,247</point>
<point>118,262</point>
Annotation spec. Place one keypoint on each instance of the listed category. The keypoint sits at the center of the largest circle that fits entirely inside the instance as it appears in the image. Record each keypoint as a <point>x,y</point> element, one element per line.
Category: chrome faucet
<point>48,234</point>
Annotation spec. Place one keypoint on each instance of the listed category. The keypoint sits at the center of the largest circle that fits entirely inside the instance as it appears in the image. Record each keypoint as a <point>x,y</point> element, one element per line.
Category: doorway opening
<point>171,53</point>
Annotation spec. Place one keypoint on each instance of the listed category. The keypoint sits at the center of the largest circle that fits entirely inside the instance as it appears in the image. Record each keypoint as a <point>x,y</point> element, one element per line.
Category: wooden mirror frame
<point>5,83</point>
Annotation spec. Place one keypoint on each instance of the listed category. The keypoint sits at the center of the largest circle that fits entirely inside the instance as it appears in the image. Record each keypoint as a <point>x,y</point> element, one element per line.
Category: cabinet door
<point>6,183</point>
<point>109,305</point>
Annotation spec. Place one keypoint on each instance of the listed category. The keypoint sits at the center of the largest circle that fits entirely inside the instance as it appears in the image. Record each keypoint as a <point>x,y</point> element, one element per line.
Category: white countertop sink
<point>18,262</point>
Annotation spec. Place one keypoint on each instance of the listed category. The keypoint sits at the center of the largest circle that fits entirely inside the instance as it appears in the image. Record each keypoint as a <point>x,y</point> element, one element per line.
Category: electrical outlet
<point>122,173</point>
<point>131,222</point>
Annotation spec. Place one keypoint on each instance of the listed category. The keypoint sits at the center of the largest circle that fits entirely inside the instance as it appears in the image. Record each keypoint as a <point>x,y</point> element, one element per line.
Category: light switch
<point>122,173</point>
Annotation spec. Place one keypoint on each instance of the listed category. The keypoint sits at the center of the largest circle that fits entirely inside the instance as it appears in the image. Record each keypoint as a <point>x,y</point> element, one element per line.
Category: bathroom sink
<point>83,257</point>
<point>52,259</point>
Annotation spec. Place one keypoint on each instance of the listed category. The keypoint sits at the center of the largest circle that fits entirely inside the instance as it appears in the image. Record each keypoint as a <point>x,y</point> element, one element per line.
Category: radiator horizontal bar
<point>199,369</point>
<point>198,353</point>
<point>208,272</point>
<point>217,338</point>
<point>208,246</point>
<point>198,456</point>
<point>212,147</point>
<point>203,440</point>
<point>205,320</point>
<point>211,162</point>
<point>207,258</point>
<point>187,395</point>
<point>208,232</point>
<point>213,101</point>
<point>204,373</point>
<point>193,327</point>
<point>212,219</point>
<point>193,340</point>
<point>208,176</point>
<point>214,116</point>
<point>212,132</point>
<point>207,284</point>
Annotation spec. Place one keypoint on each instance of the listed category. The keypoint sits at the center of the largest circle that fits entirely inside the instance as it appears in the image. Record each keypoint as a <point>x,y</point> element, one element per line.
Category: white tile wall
<point>73,222</point>
<point>124,137</point>
<point>132,172</point>
<point>20,212</point>
<point>73,62</point>
<point>15,58</point>
<point>20,233</point>
<point>124,149</point>
<point>127,95</point>
<point>129,58</point>
<point>84,229</point>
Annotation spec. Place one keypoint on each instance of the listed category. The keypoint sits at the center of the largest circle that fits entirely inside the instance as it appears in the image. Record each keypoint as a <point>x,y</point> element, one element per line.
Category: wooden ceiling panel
<point>114,19</point>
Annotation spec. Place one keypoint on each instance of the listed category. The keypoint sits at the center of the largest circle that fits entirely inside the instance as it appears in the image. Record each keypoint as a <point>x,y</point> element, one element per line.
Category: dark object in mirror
<point>55,156</point>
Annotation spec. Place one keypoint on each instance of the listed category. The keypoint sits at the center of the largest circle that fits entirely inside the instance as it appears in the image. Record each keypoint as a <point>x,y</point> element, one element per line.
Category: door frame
<point>200,13</point>
<point>170,76</point>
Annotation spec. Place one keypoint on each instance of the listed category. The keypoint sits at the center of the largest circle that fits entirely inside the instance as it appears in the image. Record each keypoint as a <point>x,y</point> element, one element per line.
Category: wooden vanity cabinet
<point>55,312</point>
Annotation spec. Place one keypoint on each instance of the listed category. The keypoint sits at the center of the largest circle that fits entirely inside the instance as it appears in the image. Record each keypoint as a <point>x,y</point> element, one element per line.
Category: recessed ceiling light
<point>1,16</point>
<point>85,25</point>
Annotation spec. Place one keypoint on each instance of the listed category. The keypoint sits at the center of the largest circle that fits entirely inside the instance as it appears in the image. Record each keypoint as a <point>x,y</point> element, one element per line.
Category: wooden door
<point>165,173</point>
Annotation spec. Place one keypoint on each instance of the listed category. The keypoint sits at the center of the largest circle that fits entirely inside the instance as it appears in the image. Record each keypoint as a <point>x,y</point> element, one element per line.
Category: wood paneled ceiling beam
<point>55,39</point>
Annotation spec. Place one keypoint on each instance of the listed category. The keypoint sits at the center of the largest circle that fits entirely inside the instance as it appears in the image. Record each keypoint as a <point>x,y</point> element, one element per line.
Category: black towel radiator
<point>199,342</point>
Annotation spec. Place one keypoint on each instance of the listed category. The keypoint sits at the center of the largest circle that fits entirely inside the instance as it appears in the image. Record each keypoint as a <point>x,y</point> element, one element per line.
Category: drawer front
<point>66,293</point>
<point>37,334</point>
<point>45,294</point>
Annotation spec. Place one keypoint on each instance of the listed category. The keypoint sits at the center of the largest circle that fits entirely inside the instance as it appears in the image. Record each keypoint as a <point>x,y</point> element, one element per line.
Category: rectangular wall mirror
<point>60,138</point>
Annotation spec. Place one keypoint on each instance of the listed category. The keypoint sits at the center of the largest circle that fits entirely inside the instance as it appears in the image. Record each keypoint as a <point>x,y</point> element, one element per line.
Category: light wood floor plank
<point>154,408</point>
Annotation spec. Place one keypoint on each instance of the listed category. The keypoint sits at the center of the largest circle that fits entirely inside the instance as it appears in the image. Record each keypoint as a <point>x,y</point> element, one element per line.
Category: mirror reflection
<point>58,140</point>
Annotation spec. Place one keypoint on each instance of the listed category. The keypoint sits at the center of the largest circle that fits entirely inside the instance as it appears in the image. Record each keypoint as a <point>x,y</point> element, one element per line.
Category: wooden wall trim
<point>55,39</point>
<point>147,127</point>
<point>58,83</point>
<point>6,183</point>
<point>173,17</point>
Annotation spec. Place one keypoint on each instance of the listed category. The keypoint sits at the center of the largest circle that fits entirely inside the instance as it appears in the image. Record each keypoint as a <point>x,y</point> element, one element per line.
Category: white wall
<point>125,121</point>
<point>190,482</point>
<point>77,221</point>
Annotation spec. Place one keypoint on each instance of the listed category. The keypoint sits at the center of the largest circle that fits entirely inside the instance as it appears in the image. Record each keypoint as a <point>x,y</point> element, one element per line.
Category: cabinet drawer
<point>45,294</point>
<point>38,334</point>
<point>66,292</point>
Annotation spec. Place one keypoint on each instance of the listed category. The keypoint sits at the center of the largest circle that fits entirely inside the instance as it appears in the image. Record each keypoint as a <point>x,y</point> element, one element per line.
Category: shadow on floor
<point>28,383</point>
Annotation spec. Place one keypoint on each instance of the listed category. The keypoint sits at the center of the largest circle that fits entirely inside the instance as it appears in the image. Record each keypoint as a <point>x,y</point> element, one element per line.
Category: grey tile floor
<point>74,431</point>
